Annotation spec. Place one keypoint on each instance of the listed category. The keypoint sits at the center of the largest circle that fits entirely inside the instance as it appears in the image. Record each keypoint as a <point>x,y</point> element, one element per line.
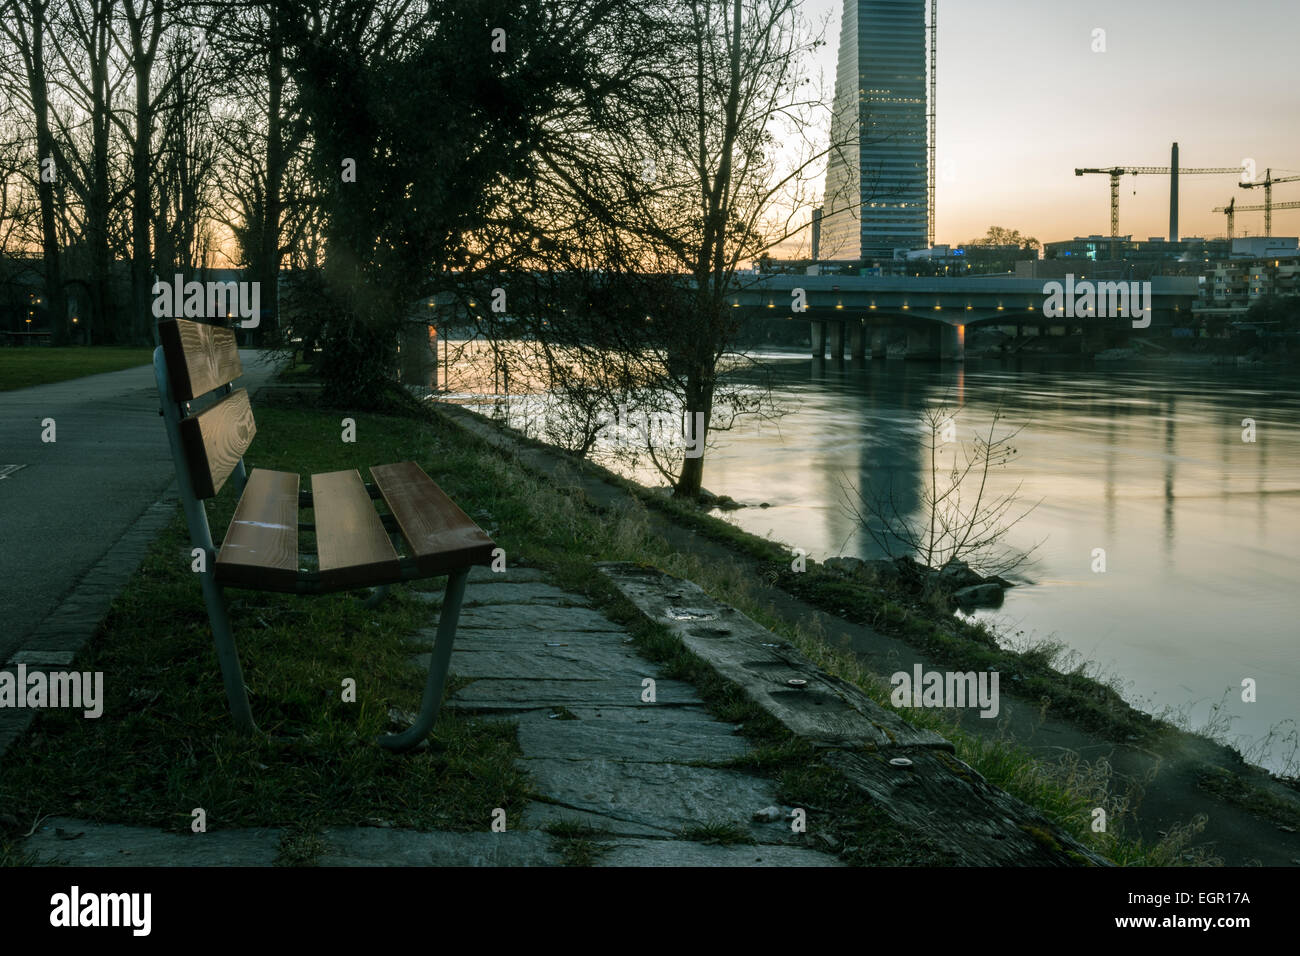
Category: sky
<point>1023,100</point>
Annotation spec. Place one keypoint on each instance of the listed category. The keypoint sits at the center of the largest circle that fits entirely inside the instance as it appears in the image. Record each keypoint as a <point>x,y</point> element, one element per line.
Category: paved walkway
<point>596,753</point>
<point>79,513</point>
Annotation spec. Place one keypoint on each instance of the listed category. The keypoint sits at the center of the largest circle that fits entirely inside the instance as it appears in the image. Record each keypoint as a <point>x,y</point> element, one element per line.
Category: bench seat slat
<point>441,536</point>
<point>353,547</point>
<point>261,546</point>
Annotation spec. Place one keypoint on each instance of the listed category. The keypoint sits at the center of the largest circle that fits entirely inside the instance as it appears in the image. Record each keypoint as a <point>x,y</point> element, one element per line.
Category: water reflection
<point>1199,527</point>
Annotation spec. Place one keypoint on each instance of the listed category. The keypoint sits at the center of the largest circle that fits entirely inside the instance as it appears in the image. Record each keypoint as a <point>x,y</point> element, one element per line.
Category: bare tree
<point>958,516</point>
<point>26,25</point>
<point>716,164</point>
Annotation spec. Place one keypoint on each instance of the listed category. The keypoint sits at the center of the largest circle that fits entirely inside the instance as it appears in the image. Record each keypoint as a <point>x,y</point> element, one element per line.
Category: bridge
<point>936,311</point>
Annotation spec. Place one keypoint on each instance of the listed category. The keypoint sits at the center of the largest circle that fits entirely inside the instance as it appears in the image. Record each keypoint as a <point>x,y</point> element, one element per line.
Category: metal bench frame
<point>308,582</point>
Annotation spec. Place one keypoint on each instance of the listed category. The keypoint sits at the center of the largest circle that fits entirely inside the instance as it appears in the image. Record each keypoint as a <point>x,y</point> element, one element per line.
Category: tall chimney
<point>1173,194</point>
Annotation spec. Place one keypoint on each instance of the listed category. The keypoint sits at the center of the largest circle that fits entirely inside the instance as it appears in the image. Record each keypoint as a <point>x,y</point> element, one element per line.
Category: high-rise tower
<point>877,180</point>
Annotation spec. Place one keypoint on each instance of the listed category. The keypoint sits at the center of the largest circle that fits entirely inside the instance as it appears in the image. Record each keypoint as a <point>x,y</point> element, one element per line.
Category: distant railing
<point>26,338</point>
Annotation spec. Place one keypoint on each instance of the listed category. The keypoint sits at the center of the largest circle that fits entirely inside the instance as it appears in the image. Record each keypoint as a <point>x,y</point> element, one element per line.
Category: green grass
<point>718,833</point>
<point>24,367</point>
<point>578,844</point>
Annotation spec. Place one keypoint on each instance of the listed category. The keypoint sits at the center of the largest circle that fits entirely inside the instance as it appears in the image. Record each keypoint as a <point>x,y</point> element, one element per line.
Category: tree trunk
<point>141,257</point>
<point>267,269</point>
<point>48,169</point>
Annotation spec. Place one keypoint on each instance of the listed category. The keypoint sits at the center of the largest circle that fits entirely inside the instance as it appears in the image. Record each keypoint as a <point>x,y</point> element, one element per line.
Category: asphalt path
<point>70,500</point>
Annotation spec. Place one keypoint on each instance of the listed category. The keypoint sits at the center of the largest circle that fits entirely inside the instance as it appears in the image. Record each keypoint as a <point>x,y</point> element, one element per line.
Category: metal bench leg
<point>232,675</point>
<point>438,663</point>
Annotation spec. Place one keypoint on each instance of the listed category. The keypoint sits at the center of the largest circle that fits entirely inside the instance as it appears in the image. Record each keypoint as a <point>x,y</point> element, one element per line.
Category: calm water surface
<point>1201,529</point>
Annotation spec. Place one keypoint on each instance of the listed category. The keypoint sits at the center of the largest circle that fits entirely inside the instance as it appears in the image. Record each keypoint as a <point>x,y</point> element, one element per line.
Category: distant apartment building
<point>876,205</point>
<point>1236,285</point>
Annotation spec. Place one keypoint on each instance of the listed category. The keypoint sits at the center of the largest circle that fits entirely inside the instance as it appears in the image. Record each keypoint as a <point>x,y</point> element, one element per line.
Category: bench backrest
<point>201,359</point>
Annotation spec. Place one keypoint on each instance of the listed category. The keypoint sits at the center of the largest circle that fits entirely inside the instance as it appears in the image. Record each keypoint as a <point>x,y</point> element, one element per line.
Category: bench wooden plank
<point>215,439</point>
<point>441,536</point>
<point>353,547</point>
<point>200,357</point>
<point>261,546</point>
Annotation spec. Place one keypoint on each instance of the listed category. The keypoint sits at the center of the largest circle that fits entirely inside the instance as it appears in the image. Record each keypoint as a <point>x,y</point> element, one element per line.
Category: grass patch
<point>718,833</point>
<point>25,367</point>
<point>579,844</point>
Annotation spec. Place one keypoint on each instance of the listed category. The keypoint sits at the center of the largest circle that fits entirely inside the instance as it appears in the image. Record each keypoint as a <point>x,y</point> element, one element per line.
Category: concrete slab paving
<point>369,846</point>
<point>61,841</point>
<point>527,660</point>
<point>620,690</point>
<point>510,575</point>
<point>535,617</point>
<point>685,853</point>
<point>538,815</point>
<point>665,795</point>
<point>663,735</point>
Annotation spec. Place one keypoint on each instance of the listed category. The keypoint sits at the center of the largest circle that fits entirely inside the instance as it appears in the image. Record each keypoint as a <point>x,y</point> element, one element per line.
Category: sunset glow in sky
<point>1023,100</point>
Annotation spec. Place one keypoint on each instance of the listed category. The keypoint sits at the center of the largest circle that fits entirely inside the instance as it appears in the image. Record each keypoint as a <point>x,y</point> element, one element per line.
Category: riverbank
<point>1063,731</point>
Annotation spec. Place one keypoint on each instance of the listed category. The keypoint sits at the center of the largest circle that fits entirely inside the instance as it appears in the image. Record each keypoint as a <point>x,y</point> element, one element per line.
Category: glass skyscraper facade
<point>876,200</point>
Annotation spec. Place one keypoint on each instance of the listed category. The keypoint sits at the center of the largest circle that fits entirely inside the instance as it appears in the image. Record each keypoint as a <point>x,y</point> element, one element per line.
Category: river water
<point>1201,529</point>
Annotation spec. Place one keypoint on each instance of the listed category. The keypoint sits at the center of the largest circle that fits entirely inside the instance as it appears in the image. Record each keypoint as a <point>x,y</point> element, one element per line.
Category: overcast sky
<point>1023,100</point>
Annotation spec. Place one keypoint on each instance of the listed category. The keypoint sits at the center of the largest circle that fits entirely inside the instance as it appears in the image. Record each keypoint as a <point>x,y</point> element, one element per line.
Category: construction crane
<point>1268,183</point>
<point>1172,171</point>
<point>1232,209</point>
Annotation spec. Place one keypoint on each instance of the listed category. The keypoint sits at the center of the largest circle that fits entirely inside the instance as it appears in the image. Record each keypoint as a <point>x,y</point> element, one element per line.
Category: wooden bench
<point>195,365</point>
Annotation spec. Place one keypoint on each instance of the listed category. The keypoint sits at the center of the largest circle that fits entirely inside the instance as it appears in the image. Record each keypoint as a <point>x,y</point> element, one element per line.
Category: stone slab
<point>43,658</point>
<point>507,639</point>
<point>537,815</point>
<point>503,593</point>
<point>619,691</point>
<point>534,659</point>
<point>535,617</point>
<point>371,846</point>
<point>662,735</point>
<point>111,844</point>
<point>824,708</point>
<point>668,796</point>
<point>511,593</point>
<point>511,575</point>
<point>686,853</point>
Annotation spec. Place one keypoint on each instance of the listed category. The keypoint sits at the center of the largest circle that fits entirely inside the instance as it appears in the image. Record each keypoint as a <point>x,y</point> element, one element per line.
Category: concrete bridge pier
<point>1094,338</point>
<point>879,342</point>
<point>923,342</point>
<point>837,341</point>
<point>952,343</point>
<point>857,347</point>
<point>818,339</point>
